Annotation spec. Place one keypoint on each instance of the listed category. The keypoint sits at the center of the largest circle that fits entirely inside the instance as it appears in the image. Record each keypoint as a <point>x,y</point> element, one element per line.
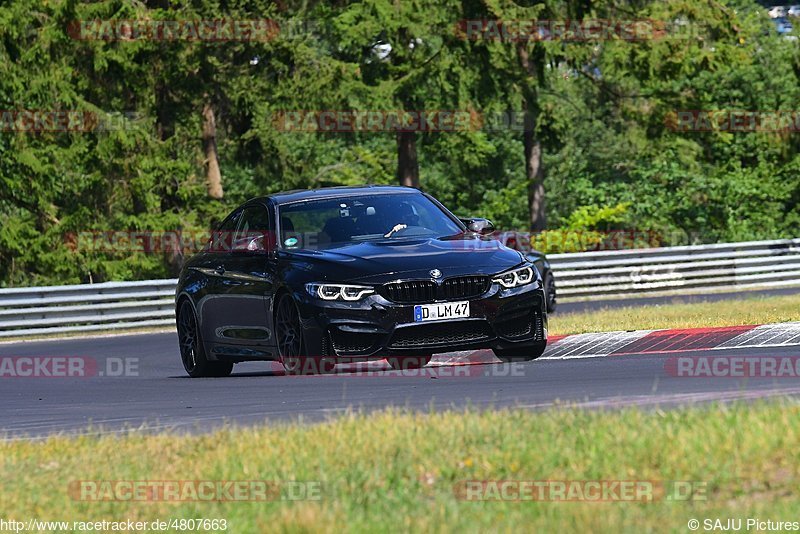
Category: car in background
<point>794,11</point>
<point>548,279</point>
<point>313,278</point>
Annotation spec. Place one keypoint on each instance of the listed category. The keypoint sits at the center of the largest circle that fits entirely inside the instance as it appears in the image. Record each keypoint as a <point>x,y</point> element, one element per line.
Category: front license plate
<point>438,312</point>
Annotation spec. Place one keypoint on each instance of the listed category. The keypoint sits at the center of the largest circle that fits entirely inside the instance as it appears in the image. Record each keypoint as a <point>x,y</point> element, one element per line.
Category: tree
<point>401,50</point>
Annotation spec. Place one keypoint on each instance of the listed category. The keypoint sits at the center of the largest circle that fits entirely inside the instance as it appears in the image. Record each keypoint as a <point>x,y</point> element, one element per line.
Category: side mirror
<point>250,243</point>
<point>479,225</point>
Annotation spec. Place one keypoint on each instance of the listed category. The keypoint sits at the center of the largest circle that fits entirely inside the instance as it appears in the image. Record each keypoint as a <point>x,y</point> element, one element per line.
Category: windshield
<point>331,221</point>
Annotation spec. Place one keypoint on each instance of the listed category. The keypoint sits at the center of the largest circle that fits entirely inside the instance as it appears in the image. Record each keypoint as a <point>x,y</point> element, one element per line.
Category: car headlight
<point>347,292</point>
<point>515,278</point>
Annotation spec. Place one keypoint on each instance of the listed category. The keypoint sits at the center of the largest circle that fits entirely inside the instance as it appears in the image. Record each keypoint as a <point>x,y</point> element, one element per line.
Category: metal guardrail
<point>662,271</point>
<point>84,308</point>
<point>677,270</point>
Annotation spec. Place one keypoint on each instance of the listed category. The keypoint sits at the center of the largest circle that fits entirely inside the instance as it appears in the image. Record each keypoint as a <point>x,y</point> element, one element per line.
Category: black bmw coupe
<point>343,274</point>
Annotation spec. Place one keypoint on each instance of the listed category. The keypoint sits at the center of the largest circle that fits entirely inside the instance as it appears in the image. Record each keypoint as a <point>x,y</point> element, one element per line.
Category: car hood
<point>379,261</point>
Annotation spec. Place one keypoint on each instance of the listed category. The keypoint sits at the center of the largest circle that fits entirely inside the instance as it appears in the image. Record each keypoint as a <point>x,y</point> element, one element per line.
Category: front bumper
<point>376,327</point>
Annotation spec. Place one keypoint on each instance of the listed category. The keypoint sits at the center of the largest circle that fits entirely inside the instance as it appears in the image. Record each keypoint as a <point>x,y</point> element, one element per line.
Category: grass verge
<point>755,310</point>
<point>394,471</point>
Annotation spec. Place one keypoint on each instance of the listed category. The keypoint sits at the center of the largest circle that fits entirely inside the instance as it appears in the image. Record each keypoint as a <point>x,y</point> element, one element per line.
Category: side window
<point>255,219</point>
<point>222,238</point>
<point>253,223</point>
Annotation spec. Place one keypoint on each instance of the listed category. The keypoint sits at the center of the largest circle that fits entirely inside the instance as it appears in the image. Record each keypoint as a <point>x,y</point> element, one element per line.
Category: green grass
<point>754,310</point>
<point>395,471</point>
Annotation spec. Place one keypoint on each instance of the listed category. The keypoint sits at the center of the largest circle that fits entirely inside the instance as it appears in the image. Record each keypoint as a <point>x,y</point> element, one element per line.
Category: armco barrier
<point>83,308</point>
<point>677,270</point>
<point>662,271</point>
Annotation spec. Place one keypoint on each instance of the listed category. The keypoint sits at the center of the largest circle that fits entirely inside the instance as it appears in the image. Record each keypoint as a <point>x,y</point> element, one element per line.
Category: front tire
<point>291,348</point>
<point>520,354</point>
<point>193,356</point>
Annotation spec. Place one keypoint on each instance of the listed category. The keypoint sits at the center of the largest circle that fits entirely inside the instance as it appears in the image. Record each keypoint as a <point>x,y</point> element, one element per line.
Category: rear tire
<point>193,355</point>
<point>521,354</point>
<point>401,363</point>
<point>550,292</point>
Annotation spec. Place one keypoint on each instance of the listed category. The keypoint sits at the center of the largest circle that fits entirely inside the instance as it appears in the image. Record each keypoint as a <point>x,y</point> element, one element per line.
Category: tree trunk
<point>533,171</point>
<point>165,118</point>
<point>213,175</point>
<point>407,165</point>
<point>532,75</point>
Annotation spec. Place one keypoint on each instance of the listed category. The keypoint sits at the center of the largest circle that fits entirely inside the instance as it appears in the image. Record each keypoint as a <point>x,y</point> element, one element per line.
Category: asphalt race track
<point>159,395</point>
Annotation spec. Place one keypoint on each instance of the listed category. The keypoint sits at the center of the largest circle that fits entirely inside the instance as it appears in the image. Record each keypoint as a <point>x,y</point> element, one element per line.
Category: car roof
<point>298,195</point>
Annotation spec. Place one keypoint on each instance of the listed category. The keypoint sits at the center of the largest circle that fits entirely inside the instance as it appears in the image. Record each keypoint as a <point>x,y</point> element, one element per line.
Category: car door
<point>212,264</point>
<point>246,282</point>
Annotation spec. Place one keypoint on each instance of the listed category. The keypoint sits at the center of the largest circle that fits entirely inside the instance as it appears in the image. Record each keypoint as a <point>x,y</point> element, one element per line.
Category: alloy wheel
<point>187,337</point>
